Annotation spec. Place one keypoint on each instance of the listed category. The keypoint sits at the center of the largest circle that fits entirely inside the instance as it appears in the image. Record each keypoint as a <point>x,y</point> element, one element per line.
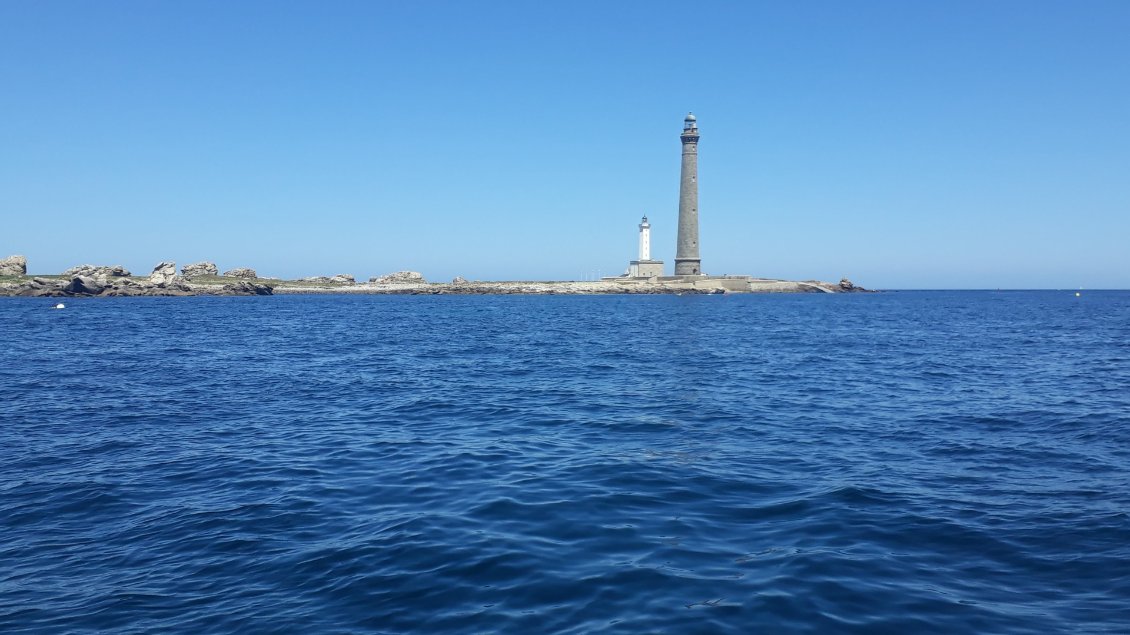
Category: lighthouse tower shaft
<point>645,239</point>
<point>687,260</point>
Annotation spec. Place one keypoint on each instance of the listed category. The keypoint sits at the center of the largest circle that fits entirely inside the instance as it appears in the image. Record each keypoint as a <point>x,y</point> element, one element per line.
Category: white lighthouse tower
<point>645,239</point>
<point>645,267</point>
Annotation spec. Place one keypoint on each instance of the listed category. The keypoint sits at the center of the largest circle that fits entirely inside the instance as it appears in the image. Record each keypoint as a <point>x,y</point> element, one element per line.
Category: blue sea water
<point>912,462</point>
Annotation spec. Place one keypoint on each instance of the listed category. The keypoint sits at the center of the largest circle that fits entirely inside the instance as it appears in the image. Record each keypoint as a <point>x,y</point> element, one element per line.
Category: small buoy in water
<point>1077,294</point>
<point>60,306</point>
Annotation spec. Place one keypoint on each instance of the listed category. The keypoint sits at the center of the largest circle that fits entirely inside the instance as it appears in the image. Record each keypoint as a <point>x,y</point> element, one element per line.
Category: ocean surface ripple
<point>915,462</point>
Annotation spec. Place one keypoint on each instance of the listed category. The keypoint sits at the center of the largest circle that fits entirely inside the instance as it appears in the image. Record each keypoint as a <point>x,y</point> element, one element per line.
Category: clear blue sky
<point>901,144</point>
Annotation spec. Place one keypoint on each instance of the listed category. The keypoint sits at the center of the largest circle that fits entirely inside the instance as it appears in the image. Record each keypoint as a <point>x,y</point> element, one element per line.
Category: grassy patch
<point>210,280</point>
<point>30,276</point>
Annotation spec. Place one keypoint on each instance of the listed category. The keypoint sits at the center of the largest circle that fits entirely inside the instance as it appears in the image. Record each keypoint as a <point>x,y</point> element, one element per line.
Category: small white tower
<point>645,267</point>
<point>645,239</point>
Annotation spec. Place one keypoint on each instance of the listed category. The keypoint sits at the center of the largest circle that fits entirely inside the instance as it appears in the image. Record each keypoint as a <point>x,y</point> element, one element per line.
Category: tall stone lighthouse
<point>687,261</point>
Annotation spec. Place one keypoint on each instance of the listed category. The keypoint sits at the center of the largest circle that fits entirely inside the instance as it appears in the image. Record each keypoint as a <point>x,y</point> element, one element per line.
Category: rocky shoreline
<point>203,278</point>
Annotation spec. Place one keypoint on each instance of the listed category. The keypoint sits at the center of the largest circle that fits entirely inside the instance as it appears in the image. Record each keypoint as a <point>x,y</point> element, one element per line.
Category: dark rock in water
<point>13,266</point>
<point>84,285</point>
<point>241,272</point>
<point>36,287</point>
<point>134,288</point>
<point>244,287</point>
<point>175,286</point>
<point>200,269</point>
<point>846,284</point>
<point>32,290</point>
<point>128,287</point>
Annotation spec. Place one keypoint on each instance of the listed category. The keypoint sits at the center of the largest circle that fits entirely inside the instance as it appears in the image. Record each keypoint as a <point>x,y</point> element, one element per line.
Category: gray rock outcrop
<point>171,285</point>
<point>341,278</point>
<point>98,271</point>
<point>241,272</point>
<point>84,285</point>
<point>175,286</point>
<point>200,269</point>
<point>400,277</point>
<point>846,284</point>
<point>458,280</point>
<point>164,273</point>
<point>13,266</point>
<point>245,287</point>
<point>38,287</point>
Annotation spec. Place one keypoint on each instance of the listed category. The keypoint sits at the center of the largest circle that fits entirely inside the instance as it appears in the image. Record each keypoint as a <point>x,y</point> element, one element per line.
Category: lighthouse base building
<point>645,269</point>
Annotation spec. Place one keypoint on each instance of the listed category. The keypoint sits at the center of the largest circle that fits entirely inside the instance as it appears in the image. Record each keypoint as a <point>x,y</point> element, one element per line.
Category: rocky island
<point>204,278</point>
<point>643,276</point>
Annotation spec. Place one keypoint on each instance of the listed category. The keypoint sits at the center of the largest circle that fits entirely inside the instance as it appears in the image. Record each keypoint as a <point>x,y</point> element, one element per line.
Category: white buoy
<point>1077,294</point>
<point>60,306</point>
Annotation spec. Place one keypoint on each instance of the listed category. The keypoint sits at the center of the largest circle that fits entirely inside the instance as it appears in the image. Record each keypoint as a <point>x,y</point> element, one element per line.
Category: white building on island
<point>645,267</point>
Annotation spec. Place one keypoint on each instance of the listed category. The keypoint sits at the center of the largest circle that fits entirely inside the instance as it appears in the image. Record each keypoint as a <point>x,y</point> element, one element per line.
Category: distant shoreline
<point>130,286</point>
<point>204,278</point>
